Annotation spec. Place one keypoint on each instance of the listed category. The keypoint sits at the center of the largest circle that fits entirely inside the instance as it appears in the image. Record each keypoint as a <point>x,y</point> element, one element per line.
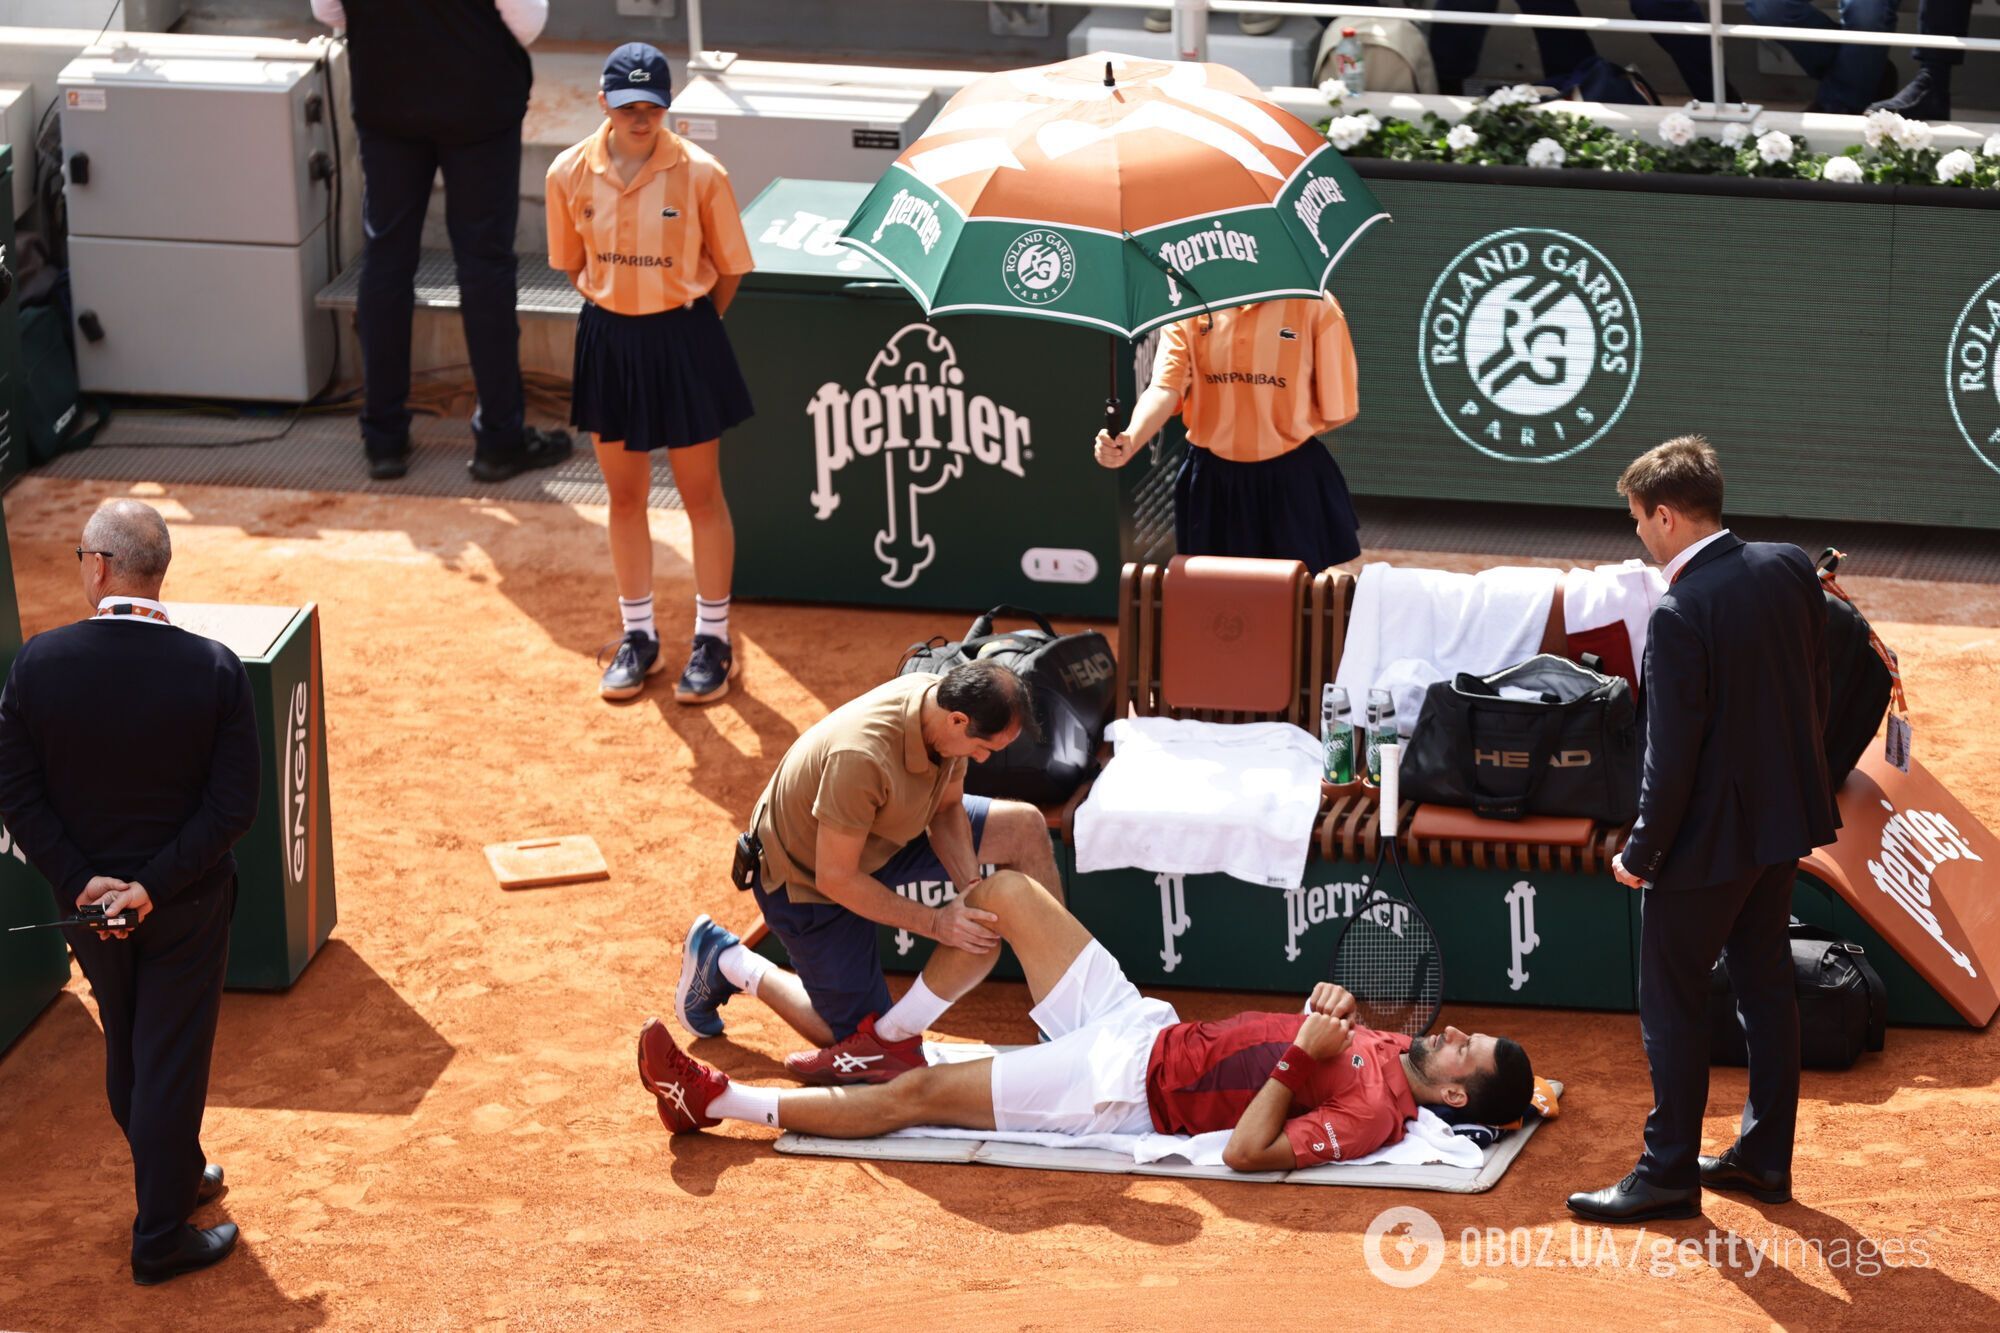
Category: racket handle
<point>1392,794</point>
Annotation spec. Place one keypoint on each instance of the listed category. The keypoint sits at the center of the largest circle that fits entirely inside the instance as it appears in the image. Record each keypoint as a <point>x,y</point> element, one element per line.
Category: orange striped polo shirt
<point>655,243</point>
<point>1264,378</point>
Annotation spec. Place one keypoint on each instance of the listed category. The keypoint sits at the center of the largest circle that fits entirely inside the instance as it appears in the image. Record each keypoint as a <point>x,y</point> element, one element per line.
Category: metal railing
<point>1190,32</point>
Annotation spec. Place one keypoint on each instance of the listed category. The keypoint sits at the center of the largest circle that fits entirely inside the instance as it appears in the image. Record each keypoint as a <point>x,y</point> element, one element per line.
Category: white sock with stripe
<point>739,1101</point>
<point>637,613</point>
<point>910,1016</point>
<point>712,618</point>
<point>743,968</point>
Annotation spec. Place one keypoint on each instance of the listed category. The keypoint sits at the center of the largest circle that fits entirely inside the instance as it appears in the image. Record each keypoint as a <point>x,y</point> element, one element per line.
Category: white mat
<point>961,1147</point>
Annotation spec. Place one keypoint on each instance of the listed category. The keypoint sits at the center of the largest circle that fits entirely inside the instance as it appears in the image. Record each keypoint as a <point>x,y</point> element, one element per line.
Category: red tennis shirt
<point>1202,1076</point>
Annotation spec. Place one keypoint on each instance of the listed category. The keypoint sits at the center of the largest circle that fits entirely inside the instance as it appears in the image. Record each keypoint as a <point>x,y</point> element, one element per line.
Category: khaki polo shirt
<point>861,767</point>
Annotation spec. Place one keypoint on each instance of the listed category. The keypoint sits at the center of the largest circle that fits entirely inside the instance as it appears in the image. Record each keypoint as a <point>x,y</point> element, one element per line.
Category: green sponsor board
<point>285,900</point>
<point>895,461</point>
<point>1523,342</point>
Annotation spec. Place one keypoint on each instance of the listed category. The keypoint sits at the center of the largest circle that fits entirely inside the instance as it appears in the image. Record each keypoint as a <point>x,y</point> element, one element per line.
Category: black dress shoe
<point>539,448</point>
<point>210,1188</point>
<point>197,1250</point>
<point>1633,1200</point>
<point>1726,1173</point>
<point>1925,97</point>
<point>391,463</point>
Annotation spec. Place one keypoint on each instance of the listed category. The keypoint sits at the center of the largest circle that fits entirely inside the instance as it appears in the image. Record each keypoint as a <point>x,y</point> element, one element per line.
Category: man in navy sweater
<point>128,769</point>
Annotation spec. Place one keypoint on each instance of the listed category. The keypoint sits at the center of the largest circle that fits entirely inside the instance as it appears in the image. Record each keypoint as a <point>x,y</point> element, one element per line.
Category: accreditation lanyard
<point>132,611</point>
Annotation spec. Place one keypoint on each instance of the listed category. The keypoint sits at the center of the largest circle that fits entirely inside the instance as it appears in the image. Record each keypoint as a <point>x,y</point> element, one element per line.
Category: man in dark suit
<point>1734,791</point>
<point>128,769</point>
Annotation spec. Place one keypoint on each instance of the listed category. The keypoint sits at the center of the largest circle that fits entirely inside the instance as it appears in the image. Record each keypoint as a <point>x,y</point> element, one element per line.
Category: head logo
<point>1529,345</point>
<point>916,414</point>
<point>1970,381</point>
<point>1914,844</point>
<point>298,757</point>
<point>1038,267</point>
<point>1403,1247</point>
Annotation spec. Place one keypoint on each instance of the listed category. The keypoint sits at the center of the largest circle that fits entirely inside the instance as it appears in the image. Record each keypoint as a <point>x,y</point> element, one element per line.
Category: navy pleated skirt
<point>656,381</point>
<point>1292,507</point>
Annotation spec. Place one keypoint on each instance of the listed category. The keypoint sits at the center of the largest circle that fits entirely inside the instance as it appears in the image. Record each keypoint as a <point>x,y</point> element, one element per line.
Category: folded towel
<point>1605,596</point>
<point>1189,798</point>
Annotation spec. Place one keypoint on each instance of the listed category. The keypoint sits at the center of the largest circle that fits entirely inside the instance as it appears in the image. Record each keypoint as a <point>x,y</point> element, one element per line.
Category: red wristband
<point>1296,1070</point>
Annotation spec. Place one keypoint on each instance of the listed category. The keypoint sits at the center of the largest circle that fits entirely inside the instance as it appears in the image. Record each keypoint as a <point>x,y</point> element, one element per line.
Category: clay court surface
<point>439,1126</point>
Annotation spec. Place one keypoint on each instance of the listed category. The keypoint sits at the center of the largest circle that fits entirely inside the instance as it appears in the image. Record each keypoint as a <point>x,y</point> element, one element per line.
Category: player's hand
<point>1323,1036</point>
<point>1331,1000</point>
<point>957,926</point>
<point>1115,450</point>
<point>1624,876</point>
<point>116,896</point>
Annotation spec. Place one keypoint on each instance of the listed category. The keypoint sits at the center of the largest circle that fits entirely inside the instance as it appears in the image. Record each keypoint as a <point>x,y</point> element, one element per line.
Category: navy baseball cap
<point>637,72</point>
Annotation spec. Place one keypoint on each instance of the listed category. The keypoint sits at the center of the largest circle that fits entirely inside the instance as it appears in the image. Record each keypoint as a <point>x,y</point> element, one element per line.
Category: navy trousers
<point>1747,921</point>
<point>159,993</point>
<point>482,202</point>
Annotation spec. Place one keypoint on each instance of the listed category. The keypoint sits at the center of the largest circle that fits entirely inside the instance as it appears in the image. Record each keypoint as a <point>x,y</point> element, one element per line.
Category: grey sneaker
<point>637,657</point>
<point>711,666</point>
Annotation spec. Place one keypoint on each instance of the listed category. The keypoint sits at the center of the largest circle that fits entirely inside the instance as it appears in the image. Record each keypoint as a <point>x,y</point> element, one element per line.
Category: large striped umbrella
<point>1114,192</point>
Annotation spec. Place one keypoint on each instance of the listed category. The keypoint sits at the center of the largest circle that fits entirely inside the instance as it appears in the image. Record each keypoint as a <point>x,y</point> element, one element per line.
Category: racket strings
<point>1388,959</point>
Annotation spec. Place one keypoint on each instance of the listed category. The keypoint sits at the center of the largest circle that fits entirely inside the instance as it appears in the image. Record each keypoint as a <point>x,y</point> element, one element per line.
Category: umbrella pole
<point>1111,386</point>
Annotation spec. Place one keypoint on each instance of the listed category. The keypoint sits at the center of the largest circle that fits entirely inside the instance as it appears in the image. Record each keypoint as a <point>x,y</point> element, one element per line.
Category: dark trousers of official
<point>482,203</point>
<point>1943,18</point>
<point>1747,922</point>
<point>159,992</point>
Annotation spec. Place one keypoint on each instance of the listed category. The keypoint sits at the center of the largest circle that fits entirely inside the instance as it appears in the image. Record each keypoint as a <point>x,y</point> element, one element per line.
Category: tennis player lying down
<point>1297,1089</point>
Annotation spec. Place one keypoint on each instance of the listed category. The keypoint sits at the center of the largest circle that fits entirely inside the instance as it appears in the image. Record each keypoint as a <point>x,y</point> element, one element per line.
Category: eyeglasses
<point>83,551</point>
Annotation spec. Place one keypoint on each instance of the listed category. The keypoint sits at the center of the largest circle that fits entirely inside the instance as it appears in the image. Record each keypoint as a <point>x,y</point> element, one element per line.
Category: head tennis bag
<point>1069,678</point>
<point>1843,1005</point>
<point>1547,737</point>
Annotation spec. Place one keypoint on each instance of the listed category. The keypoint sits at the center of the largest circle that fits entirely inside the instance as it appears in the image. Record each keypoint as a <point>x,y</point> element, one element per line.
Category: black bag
<point>1069,679</point>
<point>1860,678</point>
<point>1843,1005</point>
<point>1572,751</point>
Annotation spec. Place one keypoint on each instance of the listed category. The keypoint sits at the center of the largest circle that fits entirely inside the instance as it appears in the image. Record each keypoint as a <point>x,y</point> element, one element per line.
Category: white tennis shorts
<point>1090,1076</point>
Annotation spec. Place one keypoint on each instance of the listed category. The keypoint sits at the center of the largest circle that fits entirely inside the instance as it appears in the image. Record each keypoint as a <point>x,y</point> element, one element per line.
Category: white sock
<point>910,1016</point>
<point>739,1101</point>
<point>712,618</point>
<point>637,613</point>
<point>743,968</point>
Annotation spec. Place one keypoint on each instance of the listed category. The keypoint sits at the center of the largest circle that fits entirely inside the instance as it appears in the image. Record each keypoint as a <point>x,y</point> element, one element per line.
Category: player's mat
<point>953,1151</point>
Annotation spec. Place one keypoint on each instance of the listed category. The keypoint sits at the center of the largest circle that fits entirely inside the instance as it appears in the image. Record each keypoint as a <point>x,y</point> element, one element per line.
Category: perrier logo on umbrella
<point>1113,192</point>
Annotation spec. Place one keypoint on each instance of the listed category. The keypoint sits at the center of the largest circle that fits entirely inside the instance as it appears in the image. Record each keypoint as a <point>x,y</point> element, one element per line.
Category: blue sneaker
<point>703,988</point>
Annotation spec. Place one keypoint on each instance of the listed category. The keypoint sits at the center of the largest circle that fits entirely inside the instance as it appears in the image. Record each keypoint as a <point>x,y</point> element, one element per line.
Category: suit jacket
<point>128,748</point>
<point>1736,698</point>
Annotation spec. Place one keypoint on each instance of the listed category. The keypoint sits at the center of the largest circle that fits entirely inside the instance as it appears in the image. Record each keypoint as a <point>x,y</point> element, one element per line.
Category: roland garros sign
<point>1970,377</point>
<point>1529,345</point>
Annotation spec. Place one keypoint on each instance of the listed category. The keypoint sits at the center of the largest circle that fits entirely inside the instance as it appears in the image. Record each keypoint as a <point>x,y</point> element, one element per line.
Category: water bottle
<point>1336,729</point>
<point>1349,63</point>
<point>1381,727</point>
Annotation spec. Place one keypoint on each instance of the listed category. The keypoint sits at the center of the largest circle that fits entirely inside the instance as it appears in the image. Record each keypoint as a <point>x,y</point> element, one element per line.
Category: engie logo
<point>298,757</point>
<point>1969,376</point>
<point>1915,843</point>
<point>1529,345</point>
<point>1038,267</point>
<point>915,413</point>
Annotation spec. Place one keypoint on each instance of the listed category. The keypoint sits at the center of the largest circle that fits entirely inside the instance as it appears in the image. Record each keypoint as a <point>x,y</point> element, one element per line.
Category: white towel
<point>1414,627</point>
<point>1608,594</point>
<point>1192,798</point>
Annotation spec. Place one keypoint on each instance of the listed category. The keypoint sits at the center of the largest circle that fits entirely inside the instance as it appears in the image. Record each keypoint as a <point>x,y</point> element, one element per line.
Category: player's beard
<point>1422,1051</point>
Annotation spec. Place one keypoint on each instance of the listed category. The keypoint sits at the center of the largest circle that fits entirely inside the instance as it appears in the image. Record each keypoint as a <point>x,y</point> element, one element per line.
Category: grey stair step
<point>540,289</point>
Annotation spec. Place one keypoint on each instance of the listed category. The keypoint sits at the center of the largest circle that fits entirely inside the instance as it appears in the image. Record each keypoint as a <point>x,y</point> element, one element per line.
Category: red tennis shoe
<point>682,1085</point>
<point>861,1058</point>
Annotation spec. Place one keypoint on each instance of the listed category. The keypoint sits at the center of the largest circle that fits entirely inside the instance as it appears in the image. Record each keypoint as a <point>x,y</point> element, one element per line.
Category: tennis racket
<point>1386,956</point>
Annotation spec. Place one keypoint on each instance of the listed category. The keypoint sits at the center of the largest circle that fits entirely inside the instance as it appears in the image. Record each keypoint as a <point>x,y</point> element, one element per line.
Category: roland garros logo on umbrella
<point>1039,267</point>
<point>1529,345</point>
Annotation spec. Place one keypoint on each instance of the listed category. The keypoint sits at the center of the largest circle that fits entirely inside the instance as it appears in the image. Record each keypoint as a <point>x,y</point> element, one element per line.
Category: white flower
<point>1347,131</point>
<point>1677,129</point>
<point>1992,148</point>
<point>1953,165</point>
<point>1734,134</point>
<point>1841,171</point>
<point>1461,138</point>
<point>1334,91</point>
<point>1774,147</point>
<point>1878,126</point>
<point>1546,153</point>
<point>1521,94</point>
<point>1914,135</point>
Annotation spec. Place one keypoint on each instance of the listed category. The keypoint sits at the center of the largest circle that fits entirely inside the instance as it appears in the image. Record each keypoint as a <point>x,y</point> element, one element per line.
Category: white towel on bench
<point>1192,798</point>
